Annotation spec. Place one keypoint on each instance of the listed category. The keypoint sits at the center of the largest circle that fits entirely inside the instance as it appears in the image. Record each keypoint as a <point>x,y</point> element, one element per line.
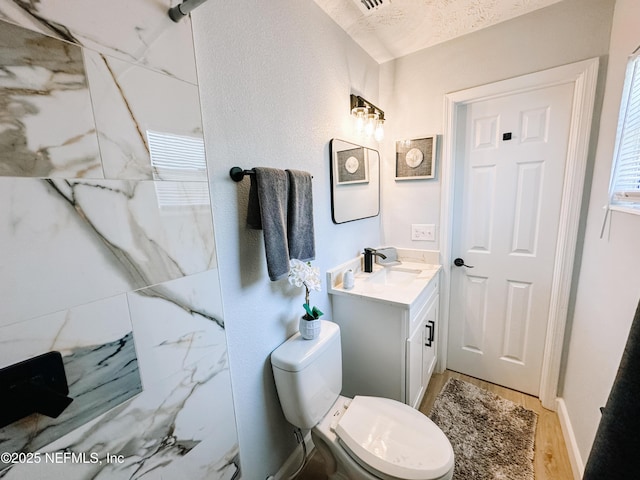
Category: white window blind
<point>177,157</point>
<point>625,181</point>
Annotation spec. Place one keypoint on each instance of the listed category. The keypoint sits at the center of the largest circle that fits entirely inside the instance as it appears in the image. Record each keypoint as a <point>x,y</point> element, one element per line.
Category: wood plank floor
<point>551,461</point>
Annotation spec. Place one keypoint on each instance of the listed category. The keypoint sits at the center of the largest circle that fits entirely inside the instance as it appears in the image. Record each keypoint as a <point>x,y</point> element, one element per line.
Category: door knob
<point>459,262</point>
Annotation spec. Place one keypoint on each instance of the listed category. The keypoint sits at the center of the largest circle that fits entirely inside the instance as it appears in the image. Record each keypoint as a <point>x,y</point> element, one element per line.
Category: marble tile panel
<point>66,331</point>
<point>42,78</point>
<point>99,357</point>
<point>149,124</point>
<point>160,434</point>
<point>197,465</point>
<point>139,32</point>
<point>67,243</point>
<point>177,324</point>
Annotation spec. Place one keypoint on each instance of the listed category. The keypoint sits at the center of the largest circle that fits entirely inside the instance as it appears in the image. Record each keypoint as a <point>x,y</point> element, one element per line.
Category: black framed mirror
<point>355,181</point>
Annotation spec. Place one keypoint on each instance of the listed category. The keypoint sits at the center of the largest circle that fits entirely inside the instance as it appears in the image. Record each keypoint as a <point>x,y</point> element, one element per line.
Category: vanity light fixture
<point>368,118</point>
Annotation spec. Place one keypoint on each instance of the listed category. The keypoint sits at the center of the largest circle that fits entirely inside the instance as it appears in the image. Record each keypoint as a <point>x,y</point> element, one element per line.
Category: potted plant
<point>302,274</point>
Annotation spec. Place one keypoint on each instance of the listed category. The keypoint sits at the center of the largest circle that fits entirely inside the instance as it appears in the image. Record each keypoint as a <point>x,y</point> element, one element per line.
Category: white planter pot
<point>309,329</point>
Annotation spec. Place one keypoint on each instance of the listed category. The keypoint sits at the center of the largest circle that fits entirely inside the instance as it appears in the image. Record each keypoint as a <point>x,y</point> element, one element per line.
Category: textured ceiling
<point>405,26</point>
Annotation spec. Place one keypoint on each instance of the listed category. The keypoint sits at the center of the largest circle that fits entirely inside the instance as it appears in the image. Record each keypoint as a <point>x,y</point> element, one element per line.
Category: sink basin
<point>400,283</point>
<point>393,276</point>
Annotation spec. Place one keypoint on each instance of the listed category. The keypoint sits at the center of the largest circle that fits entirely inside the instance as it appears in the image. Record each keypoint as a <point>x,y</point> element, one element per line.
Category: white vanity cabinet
<point>421,352</point>
<point>388,348</point>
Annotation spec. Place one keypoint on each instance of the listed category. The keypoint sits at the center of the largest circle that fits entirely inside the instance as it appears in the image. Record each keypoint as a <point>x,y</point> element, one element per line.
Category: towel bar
<point>237,173</point>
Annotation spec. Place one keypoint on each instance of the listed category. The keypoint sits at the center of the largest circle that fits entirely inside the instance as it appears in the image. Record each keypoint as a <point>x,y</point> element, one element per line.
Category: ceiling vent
<point>369,6</point>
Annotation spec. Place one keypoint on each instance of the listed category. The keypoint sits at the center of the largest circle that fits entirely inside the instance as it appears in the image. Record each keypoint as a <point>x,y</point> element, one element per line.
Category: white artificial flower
<point>313,279</point>
<point>302,273</point>
<point>298,272</point>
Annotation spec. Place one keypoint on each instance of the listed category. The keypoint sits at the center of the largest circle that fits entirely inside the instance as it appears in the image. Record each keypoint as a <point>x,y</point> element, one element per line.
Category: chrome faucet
<point>368,258</point>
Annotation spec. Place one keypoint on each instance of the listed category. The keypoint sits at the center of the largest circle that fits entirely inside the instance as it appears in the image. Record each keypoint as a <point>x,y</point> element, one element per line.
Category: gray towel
<point>268,198</point>
<point>615,452</point>
<point>300,216</point>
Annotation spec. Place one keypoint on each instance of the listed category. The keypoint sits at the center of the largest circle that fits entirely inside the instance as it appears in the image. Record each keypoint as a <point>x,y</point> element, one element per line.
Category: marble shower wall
<point>108,246</point>
<point>42,77</point>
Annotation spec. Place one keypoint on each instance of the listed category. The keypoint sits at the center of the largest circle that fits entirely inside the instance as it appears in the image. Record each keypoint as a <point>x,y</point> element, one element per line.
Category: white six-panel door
<point>506,214</point>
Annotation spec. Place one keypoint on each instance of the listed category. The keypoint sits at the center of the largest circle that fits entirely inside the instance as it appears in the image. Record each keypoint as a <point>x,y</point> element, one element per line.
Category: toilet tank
<point>308,375</point>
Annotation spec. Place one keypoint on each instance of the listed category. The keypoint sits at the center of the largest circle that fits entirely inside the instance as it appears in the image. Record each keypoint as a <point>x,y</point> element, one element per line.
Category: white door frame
<point>584,76</point>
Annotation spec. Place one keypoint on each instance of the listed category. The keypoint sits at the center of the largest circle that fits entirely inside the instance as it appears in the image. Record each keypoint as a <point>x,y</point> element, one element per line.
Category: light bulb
<point>379,133</point>
<point>370,125</point>
<point>359,123</point>
<point>360,116</point>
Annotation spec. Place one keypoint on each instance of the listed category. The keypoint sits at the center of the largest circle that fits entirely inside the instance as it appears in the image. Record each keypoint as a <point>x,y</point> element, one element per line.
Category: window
<point>625,181</point>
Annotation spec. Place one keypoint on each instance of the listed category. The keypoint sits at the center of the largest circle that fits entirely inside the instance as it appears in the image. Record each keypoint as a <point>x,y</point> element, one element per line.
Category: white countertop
<point>402,294</point>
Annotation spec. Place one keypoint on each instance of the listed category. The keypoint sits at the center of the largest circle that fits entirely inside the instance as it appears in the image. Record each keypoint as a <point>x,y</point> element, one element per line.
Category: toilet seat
<point>392,440</point>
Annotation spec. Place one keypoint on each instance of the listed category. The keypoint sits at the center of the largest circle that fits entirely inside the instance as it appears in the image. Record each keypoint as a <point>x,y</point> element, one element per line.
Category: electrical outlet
<point>424,232</point>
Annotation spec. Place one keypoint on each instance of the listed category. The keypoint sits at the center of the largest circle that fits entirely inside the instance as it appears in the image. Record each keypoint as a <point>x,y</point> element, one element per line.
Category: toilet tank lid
<point>297,353</point>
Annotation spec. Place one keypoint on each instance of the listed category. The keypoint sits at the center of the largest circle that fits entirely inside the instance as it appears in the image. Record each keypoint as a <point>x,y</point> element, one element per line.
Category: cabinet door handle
<point>431,327</point>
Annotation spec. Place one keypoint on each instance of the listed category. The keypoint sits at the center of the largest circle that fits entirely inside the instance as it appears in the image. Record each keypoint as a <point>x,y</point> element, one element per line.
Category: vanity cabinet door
<point>414,376</point>
<point>430,334</point>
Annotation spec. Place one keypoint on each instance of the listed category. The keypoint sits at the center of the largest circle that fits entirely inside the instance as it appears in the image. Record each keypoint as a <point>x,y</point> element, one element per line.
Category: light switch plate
<point>423,231</point>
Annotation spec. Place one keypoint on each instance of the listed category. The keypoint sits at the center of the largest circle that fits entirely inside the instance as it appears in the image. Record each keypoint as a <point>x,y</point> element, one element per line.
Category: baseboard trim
<point>577,465</point>
<point>292,463</point>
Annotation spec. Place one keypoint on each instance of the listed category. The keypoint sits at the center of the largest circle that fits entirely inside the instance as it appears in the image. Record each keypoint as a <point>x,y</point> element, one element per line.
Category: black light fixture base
<point>357,101</point>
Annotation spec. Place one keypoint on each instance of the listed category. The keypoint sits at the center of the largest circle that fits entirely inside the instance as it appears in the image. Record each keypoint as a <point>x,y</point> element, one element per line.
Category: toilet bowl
<point>382,439</point>
<point>359,438</point>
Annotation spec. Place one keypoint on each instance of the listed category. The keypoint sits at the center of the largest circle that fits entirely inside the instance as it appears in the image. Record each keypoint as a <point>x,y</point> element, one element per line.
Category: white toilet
<point>359,438</point>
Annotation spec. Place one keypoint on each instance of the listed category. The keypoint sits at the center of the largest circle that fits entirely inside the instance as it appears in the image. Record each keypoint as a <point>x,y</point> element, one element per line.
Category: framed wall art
<point>351,166</point>
<point>416,159</point>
